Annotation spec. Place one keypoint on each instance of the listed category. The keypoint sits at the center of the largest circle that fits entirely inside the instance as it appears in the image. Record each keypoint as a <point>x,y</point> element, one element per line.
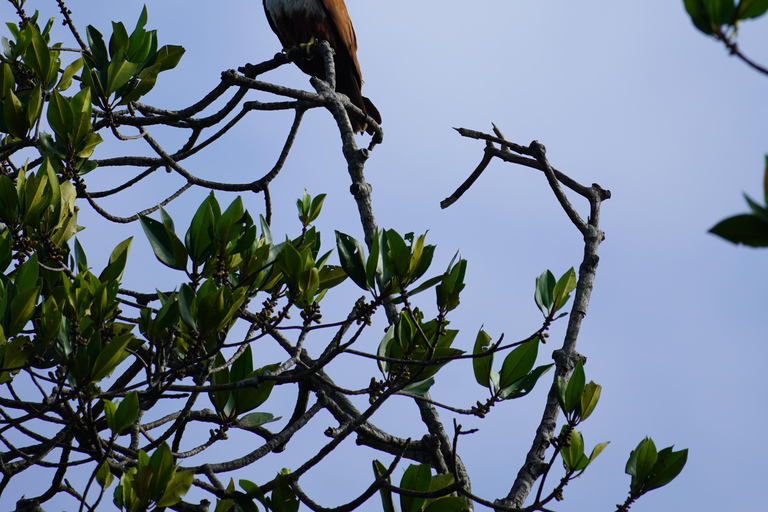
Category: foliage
<point>102,372</point>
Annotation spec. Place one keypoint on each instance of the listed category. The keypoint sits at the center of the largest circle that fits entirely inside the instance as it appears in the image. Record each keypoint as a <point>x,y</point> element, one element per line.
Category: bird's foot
<point>303,50</point>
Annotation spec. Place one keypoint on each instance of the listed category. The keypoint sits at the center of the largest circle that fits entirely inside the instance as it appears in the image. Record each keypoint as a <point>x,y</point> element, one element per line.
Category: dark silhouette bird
<point>299,22</point>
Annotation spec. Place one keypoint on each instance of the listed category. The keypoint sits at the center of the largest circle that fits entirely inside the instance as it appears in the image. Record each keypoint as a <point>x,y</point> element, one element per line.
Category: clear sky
<point>625,94</point>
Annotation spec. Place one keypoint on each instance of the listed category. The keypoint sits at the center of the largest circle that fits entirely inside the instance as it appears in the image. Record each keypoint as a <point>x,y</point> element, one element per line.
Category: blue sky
<point>625,94</point>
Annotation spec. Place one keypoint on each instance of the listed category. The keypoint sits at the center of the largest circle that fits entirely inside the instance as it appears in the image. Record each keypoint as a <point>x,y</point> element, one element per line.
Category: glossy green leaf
<point>169,250</point>
<point>38,57</point>
<point>575,389</point>
<point>22,309</point>
<point>198,238</point>
<point>668,465</point>
<point>482,365</point>
<point>283,497</point>
<point>109,357</point>
<point>386,495</point>
<point>519,362</point>
<point>415,478</point>
<point>545,286</point>
<point>589,399</point>
<point>522,387</point>
<point>103,476</point>
<point>126,412</point>
<point>248,399</point>
<point>188,306</point>
<point>744,229</point>
<point>447,504</point>
<point>6,250</point>
<point>66,77</point>
<point>640,463</point>
<point>117,260</point>
<point>14,116</point>
<point>176,488</point>
<point>564,286</point>
<point>27,273</point>
<point>60,115</point>
<point>169,56</point>
<point>15,354</point>
<point>419,388</point>
<point>98,48</point>
<point>256,419</point>
<point>352,258</point>
<point>697,10</point>
<point>399,253</point>
<point>34,105</point>
<point>119,39</point>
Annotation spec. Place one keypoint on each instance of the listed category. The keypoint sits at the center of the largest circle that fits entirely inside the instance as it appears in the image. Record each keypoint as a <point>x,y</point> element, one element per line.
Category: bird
<point>299,22</point>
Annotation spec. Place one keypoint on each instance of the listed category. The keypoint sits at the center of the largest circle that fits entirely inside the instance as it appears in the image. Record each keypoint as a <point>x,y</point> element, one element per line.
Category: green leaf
<point>386,495</point>
<point>743,229</point>
<point>314,209</point>
<point>564,286</point>
<point>351,256</point>
<point>519,362</point>
<point>248,399</point>
<point>109,357</point>
<point>103,476</point>
<point>522,387</point>
<point>256,419</point>
<point>667,467</point>
<point>38,57</point>
<point>22,309</point>
<point>545,286</point>
<point>283,497</point>
<point>482,365</point>
<point>109,410</point>
<point>167,247</point>
<point>419,388</point>
<point>66,77</point>
<point>188,306</point>
<point>575,389</point>
<point>169,56</point>
<point>114,270</point>
<point>399,253</point>
<point>34,105</point>
<point>589,399</point>
<point>198,238</point>
<point>119,39</point>
<point>447,504</point>
<point>640,463</point>
<point>14,116</point>
<point>27,274</point>
<point>6,250</point>
<point>60,115</point>
<point>721,11</point>
<point>163,469</point>
<point>126,412</point>
<point>98,48</point>
<point>415,478</point>
<point>697,10</point>
<point>15,356</point>
<point>176,488</point>
<point>597,450</point>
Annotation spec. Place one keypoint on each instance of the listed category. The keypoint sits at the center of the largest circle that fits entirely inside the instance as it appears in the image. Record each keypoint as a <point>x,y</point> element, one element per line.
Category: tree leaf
<point>482,365</point>
<point>575,389</point>
<point>109,357</point>
<point>519,362</point>
<point>169,250</point>
<point>386,495</point>
<point>744,229</point>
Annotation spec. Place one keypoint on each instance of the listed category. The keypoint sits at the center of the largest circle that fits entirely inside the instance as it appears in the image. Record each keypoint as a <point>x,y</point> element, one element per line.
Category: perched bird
<point>298,22</point>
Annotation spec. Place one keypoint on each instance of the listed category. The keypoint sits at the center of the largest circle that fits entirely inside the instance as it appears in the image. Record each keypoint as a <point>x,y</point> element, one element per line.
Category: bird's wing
<point>340,19</point>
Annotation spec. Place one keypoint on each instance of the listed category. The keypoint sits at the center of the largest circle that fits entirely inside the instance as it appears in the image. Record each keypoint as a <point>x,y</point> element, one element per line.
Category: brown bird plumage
<point>296,22</point>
